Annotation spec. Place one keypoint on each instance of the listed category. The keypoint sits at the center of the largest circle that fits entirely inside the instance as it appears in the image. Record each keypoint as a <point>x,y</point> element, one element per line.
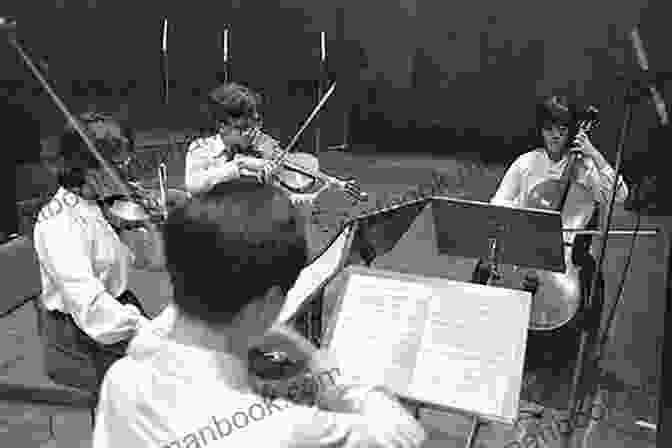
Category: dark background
<point>417,75</point>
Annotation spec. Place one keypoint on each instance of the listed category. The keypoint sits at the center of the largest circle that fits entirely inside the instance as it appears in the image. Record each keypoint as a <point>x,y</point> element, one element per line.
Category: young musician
<point>87,312</point>
<point>210,161</point>
<point>194,384</point>
<point>556,119</point>
<point>551,356</point>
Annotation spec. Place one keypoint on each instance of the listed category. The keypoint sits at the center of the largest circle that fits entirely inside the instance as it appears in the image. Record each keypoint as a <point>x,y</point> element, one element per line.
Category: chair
<point>18,257</point>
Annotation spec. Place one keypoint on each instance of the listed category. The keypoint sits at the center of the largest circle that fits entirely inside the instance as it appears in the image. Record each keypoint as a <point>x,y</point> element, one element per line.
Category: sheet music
<point>312,276</point>
<point>472,350</point>
<point>453,344</point>
<point>378,331</point>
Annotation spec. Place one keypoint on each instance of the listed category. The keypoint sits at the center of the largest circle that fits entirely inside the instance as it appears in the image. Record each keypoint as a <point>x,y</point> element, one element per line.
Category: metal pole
<point>226,76</point>
<point>577,388</point>
<point>321,82</point>
<point>164,61</point>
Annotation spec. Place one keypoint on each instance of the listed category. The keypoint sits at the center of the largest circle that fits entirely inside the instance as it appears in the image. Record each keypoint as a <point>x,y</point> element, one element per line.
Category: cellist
<point>557,122</point>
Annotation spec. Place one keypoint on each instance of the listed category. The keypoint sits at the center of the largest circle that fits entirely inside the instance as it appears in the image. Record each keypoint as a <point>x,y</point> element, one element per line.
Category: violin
<point>144,205</point>
<point>131,212</point>
<point>299,173</point>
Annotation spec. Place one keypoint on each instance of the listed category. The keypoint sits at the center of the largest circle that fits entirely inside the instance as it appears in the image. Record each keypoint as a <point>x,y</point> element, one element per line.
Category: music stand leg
<point>494,261</point>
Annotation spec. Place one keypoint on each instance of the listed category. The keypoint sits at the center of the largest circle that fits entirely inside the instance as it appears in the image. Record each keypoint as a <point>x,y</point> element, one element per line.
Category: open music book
<point>453,345</point>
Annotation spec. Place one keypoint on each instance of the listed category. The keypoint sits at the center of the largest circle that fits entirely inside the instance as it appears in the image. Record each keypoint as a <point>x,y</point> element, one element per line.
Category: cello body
<point>558,296</point>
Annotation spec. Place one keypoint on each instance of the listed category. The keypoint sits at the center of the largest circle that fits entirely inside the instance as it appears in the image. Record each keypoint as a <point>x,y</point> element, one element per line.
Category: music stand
<point>525,237</point>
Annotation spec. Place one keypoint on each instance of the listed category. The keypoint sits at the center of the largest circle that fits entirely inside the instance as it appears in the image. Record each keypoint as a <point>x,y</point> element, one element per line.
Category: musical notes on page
<point>377,336</point>
<point>451,344</point>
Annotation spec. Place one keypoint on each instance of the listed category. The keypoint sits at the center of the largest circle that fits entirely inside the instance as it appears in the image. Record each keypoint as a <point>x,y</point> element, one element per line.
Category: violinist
<point>87,312</point>
<point>212,160</point>
<point>240,148</point>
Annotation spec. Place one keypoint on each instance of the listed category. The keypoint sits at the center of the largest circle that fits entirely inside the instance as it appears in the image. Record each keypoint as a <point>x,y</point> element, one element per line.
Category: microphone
<point>7,24</point>
<point>657,98</point>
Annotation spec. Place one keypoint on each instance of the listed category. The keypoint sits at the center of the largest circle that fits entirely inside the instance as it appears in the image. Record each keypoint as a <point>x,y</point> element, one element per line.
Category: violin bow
<point>122,184</point>
<point>279,158</point>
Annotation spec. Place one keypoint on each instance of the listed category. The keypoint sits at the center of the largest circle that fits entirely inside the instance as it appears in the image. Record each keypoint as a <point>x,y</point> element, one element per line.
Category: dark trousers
<point>73,358</point>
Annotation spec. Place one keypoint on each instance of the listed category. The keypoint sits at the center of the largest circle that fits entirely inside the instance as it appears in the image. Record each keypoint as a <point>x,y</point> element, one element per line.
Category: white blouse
<point>84,266</point>
<point>534,167</point>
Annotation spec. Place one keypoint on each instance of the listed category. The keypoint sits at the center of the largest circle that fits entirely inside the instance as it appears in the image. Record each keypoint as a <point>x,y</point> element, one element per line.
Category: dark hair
<point>556,110</point>
<point>76,157</point>
<point>225,249</point>
<point>233,101</point>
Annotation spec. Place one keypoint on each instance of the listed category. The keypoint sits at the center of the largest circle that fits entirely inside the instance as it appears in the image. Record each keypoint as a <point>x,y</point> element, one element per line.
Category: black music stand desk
<point>530,238</point>
<point>525,237</point>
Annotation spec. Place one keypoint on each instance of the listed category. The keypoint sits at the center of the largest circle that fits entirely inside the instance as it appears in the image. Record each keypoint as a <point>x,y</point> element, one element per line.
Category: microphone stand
<point>661,425</point>
<point>225,75</point>
<point>340,25</point>
<point>578,390</point>
<point>321,82</point>
<point>586,379</point>
<point>163,169</point>
<point>164,62</point>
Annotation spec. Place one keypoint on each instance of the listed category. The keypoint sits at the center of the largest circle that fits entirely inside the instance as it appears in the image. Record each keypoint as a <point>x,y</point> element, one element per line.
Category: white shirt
<point>177,396</point>
<point>533,167</point>
<point>207,164</point>
<point>83,267</point>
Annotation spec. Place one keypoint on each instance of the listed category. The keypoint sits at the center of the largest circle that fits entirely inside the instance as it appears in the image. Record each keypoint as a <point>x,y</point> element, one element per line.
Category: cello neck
<point>573,158</point>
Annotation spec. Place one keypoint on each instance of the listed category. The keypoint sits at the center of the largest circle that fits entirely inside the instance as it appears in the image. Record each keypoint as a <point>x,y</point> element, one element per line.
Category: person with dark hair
<point>233,254</point>
<point>556,119</point>
<point>240,149</point>
<point>555,352</point>
<point>87,312</point>
<point>233,110</point>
